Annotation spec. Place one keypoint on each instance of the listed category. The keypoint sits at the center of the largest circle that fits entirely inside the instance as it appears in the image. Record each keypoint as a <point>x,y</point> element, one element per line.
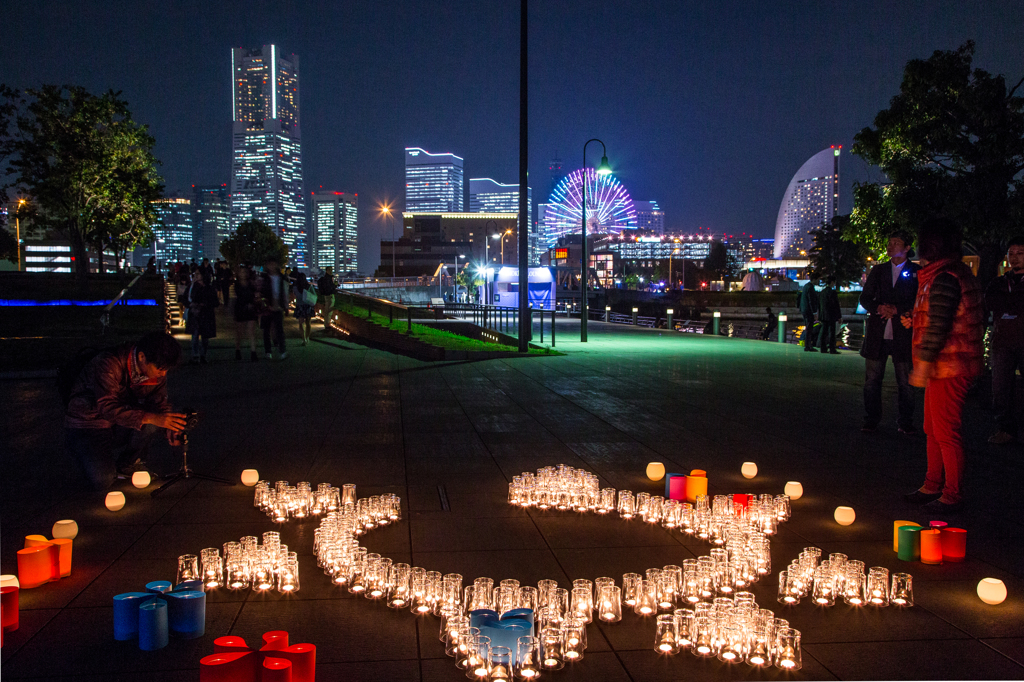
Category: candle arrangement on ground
<point>245,564</point>
<point>840,577</point>
<point>234,661</point>
<point>151,615</point>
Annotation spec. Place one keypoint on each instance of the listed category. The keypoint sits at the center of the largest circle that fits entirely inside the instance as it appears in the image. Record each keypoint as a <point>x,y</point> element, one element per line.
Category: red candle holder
<point>954,544</point>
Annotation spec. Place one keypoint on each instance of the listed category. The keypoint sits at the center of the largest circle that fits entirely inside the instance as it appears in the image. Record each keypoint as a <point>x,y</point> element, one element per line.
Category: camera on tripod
<point>191,419</point>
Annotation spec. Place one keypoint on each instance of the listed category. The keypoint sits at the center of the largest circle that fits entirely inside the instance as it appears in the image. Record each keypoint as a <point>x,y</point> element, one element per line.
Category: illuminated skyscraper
<point>335,231</point>
<point>489,196</point>
<point>172,233</point>
<point>266,169</point>
<point>212,219</point>
<point>810,200</point>
<point>433,182</point>
<point>649,217</point>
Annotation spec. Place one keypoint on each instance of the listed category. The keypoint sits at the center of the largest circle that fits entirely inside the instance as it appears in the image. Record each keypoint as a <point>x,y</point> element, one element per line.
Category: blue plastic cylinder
<point>126,614</point>
<point>153,625</point>
<point>186,613</point>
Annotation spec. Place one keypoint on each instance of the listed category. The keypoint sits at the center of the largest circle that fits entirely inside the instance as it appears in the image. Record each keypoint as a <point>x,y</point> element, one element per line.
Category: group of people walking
<point>823,307</point>
<point>264,298</point>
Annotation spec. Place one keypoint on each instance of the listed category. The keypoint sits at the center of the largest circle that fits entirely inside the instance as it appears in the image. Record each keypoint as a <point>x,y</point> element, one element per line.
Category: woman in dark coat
<point>246,312</point>
<point>202,322</point>
<point>303,310</point>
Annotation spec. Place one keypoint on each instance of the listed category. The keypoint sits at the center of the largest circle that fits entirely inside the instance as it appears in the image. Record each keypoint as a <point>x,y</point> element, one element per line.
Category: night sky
<point>708,108</point>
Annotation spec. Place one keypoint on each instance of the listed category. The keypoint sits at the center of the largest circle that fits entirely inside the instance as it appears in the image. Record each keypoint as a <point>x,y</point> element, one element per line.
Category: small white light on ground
<point>992,590</point>
<point>114,501</point>
<point>250,477</point>
<point>845,515</point>
<point>749,470</point>
<point>141,479</point>
<point>794,490</point>
<point>65,528</point>
<point>655,471</point>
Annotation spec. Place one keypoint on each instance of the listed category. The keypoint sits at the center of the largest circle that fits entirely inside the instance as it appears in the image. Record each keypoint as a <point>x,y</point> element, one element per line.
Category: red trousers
<point>943,411</point>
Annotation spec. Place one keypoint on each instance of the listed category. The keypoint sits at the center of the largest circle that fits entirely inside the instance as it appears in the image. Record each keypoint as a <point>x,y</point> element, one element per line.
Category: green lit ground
<point>340,413</point>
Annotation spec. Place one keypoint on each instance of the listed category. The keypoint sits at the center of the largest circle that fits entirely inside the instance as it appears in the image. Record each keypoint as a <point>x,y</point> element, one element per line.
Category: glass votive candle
<point>527,664</point>
<point>348,494</point>
<point>702,636</point>
<point>544,589</point>
<point>666,634</point>
<point>398,580</point>
<point>499,660</point>
<point>787,650</point>
<point>482,594</point>
<point>626,506</point>
<point>212,568</point>
<point>684,625</point>
<point>630,588</point>
<point>824,587</point>
<point>609,604</point>
<point>853,586</point>
<point>188,568</point>
<point>574,643</point>
<point>505,599</point>
<point>902,591</point>
<point>878,586</point>
<point>464,649</point>
<point>528,598</point>
<point>647,599</point>
<point>731,643</point>
<point>581,606</point>
<point>551,655</point>
<point>478,667</point>
<point>786,596</point>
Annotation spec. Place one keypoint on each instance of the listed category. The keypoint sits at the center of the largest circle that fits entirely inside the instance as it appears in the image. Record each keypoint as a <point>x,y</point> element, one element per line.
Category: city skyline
<point>709,115</point>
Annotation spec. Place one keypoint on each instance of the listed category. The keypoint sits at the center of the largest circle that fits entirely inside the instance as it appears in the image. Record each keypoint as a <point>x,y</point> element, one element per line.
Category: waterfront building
<point>649,217</point>
<point>266,170</point>
<point>810,201</point>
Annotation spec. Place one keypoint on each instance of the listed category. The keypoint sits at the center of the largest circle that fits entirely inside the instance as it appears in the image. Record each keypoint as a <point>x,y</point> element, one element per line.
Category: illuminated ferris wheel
<point>609,206</point>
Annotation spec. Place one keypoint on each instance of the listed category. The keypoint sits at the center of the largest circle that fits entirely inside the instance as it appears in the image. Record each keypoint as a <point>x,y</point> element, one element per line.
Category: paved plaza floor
<point>448,437</point>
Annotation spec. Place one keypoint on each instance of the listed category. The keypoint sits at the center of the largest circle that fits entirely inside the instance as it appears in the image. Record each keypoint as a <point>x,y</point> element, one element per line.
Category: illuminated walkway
<point>340,413</point>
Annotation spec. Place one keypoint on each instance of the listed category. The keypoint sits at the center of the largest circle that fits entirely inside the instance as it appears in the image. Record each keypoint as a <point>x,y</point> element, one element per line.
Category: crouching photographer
<point>117,404</point>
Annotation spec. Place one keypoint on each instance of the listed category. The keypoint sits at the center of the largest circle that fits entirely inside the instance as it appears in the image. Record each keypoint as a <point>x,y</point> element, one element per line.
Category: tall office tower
<point>433,182</point>
<point>172,233</point>
<point>544,239</point>
<point>266,169</point>
<point>557,171</point>
<point>335,231</point>
<point>489,196</point>
<point>649,217</point>
<point>810,200</point>
<point>212,219</point>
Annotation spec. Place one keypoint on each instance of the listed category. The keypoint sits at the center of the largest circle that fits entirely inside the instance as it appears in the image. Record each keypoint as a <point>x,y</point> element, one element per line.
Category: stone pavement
<point>339,413</point>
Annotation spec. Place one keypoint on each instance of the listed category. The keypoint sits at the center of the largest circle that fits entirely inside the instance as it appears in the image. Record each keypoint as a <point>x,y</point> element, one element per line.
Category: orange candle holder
<point>696,484</point>
<point>954,544</point>
<point>38,565</point>
<point>9,613</point>
<point>931,546</point>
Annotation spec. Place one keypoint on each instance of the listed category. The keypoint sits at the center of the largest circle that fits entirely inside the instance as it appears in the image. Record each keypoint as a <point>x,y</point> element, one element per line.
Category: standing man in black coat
<point>889,293</point>
<point>829,313</point>
<point>808,308</point>
<point>1005,298</point>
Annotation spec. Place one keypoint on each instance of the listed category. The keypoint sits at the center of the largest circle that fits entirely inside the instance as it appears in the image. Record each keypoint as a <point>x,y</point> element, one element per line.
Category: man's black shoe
<point>918,497</point>
<point>834,352</point>
<point>940,507</point>
<point>127,470</point>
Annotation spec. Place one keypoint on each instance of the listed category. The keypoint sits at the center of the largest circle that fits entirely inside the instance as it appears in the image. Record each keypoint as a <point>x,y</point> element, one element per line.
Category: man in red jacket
<point>947,323</point>
<point>118,402</point>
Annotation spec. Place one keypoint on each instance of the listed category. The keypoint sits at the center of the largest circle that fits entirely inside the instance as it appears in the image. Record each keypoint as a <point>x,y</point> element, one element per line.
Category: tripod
<point>186,472</point>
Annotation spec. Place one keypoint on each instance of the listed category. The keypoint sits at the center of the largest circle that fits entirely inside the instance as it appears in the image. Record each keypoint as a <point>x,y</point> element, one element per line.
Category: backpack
<point>68,373</point>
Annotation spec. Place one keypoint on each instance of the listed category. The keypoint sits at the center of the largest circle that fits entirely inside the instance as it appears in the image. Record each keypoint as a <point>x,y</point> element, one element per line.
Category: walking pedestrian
<point>223,278</point>
<point>808,309</point>
<point>304,293</point>
<point>327,288</point>
<point>1005,298</point>
<point>829,313</point>
<point>889,293</point>
<point>274,295</point>
<point>202,321</point>
<point>246,312</point>
<point>947,331</point>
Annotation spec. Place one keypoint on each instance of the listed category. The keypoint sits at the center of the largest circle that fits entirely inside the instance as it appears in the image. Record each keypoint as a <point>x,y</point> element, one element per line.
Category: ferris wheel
<point>609,206</point>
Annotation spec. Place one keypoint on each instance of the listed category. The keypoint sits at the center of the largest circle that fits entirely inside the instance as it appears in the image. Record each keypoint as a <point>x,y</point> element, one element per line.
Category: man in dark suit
<point>889,293</point>
<point>1005,298</point>
<point>808,308</point>
<point>829,313</point>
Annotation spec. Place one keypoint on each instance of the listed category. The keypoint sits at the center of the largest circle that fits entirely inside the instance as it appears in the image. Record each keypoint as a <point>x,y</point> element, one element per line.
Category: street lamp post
<point>455,280</point>
<point>671,284</point>
<point>503,235</point>
<point>602,169</point>
<point>385,211</point>
<point>17,230</point>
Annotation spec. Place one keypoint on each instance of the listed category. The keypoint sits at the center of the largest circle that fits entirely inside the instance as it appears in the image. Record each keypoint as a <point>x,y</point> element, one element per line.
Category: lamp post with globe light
<point>602,169</point>
<point>385,211</point>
